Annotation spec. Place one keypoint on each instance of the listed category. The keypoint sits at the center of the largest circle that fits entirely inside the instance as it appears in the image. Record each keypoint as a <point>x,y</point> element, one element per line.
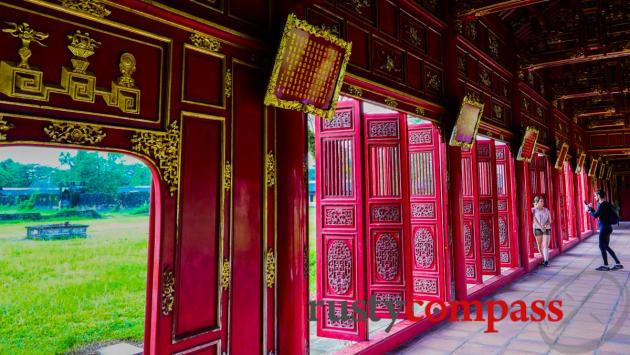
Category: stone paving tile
<point>598,317</point>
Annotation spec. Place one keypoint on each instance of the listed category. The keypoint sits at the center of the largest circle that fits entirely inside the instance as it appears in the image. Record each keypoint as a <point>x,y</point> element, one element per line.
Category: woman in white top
<point>542,227</point>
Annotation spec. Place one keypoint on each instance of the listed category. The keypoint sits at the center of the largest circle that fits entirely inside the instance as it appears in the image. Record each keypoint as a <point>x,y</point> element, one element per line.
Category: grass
<point>57,296</point>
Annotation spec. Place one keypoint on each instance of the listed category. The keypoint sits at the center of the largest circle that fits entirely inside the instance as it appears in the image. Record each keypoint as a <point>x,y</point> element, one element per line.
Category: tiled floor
<point>596,307</point>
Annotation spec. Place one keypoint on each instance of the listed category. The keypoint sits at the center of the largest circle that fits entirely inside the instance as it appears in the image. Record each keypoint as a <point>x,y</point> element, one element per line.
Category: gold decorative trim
<point>168,292</point>
<point>163,147</point>
<point>228,83</point>
<point>355,91</point>
<point>27,35</point>
<point>91,7</point>
<point>74,133</point>
<point>205,42</point>
<point>270,262</point>
<point>226,274</point>
<point>271,99</point>
<point>529,130</point>
<point>270,168</point>
<point>227,176</point>
<point>389,101</point>
<point>420,111</point>
<point>4,126</point>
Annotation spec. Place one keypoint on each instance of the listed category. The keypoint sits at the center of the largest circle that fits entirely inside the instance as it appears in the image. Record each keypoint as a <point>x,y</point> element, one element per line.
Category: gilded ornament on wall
<point>163,148</point>
<point>389,101</point>
<point>227,176</point>
<point>168,292</point>
<point>270,168</point>
<point>82,47</point>
<point>228,83</point>
<point>74,133</point>
<point>27,35</point>
<point>225,274</point>
<point>355,91</point>
<point>205,42</point>
<point>270,263</point>
<point>91,7</point>
<point>4,127</point>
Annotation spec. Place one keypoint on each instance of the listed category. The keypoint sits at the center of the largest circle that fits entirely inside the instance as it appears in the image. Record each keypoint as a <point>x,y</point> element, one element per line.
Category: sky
<point>44,156</point>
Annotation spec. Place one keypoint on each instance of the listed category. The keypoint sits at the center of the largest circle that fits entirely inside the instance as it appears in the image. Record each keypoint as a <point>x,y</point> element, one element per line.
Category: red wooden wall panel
<point>488,216</point>
<point>472,245</point>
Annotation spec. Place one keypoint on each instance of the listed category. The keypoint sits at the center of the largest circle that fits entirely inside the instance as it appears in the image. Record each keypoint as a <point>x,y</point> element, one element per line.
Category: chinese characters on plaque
<point>562,156</point>
<point>528,146</point>
<point>309,69</point>
<point>467,124</point>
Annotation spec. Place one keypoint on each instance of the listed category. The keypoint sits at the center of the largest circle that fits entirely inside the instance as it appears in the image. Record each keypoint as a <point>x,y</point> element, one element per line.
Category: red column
<point>456,217</point>
<point>521,173</point>
<point>292,233</point>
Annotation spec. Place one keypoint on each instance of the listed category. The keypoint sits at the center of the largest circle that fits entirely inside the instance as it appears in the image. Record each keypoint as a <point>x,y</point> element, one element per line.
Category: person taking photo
<point>607,217</point>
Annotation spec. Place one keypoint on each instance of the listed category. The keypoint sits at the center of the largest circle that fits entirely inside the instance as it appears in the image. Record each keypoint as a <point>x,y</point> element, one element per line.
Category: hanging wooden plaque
<point>528,145</point>
<point>467,124</point>
<point>309,69</point>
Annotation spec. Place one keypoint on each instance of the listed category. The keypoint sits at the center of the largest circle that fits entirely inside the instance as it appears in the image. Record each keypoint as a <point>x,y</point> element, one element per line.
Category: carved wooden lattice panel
<point>427,263</point>
<point>384,140</point>
<point>472,244</point>
<point>488,216</point>
<point>340,239</point>
<point>505,172</point>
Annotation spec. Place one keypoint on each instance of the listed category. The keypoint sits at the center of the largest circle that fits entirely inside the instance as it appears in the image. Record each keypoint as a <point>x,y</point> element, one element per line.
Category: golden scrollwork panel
<point>74,133</point>
<point>168,292</point>
<point>270,268</point>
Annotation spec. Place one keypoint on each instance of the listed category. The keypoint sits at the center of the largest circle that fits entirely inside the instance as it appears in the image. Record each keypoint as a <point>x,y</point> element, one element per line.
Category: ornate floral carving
<point>470,271</point>
<point>470,30</point>
<point>468,207</point>
<point>382,297</point>
<point>539,112</point>
<point>462,63</point>
<point>502,205</point>
<point>505,257</point>
<point>486,235</point>
<point>425,286</point>
<point>354,91</point>
<point>168,292</point>
<point>270,169</point>
<point>391,102</point>
<point>205,42</point>
<point>387,257</point>
<point>227,91</point>
<point>498,112</point>
<point>225,274</point>
<point>4,126</point>
<point>330,28</point>
<point>484,77</point>
<point>493,45</point>
<point>339,267</point>
<point>502,231</point>
<point>467,238</point>
<point>341,119</point>
<point>423,136</point>
<point>388,64</point>
<point>433,81</point>
<point>127,66</point>
<point>487,264</point>
<point>359,5</point>
<point>74,133</point>
<point>483,151</point>
<point>423,210</point>
<point>420,111</point>
<point>227,176</point>
<point>383,129</point>
<point>270,268</point>
<point>163,148</point>
<point>500,153</point>
<point>385,213</point>
<point>91,7</point>
<point>338,216</point>
<point>338,322</point>
<point>423,248</point>
<point>414,36</point>
<point>485,206</point>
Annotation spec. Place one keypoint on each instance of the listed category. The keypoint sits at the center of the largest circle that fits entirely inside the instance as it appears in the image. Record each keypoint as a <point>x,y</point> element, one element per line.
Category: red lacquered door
<point>507,244</point>
<point>386,199</point>
<point>472,247</point>
<point>562,201</point>
<point>426,242</point>
<point>570,200</point>
<point>488,217</point>
<point>340,240</point>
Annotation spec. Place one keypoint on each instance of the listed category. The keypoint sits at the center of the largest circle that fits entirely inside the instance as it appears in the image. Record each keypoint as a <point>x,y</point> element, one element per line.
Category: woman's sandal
<point>617,267</point>
<point>603,268</point>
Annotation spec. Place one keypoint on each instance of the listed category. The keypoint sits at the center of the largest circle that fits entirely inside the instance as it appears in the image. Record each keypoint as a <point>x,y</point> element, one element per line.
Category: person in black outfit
<point>604,211</point>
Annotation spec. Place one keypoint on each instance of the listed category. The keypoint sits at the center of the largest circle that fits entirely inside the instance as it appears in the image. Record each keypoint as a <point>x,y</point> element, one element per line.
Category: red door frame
<point>506,207</point>
<point>487,204</point>
<point>470,228</point>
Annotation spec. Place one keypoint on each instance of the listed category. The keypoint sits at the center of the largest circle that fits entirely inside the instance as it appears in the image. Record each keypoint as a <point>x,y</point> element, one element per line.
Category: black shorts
<point>539,232</point>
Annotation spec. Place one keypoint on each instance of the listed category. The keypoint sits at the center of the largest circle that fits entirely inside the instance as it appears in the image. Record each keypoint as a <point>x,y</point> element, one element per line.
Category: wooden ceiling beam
<point>576,59</point>
<point>496,7</point>
<point>591,93</point>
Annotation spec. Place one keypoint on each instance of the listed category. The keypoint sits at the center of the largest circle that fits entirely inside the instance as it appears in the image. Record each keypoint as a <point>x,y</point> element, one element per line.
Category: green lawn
<point>312,256</point>
<point>57,296</point>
